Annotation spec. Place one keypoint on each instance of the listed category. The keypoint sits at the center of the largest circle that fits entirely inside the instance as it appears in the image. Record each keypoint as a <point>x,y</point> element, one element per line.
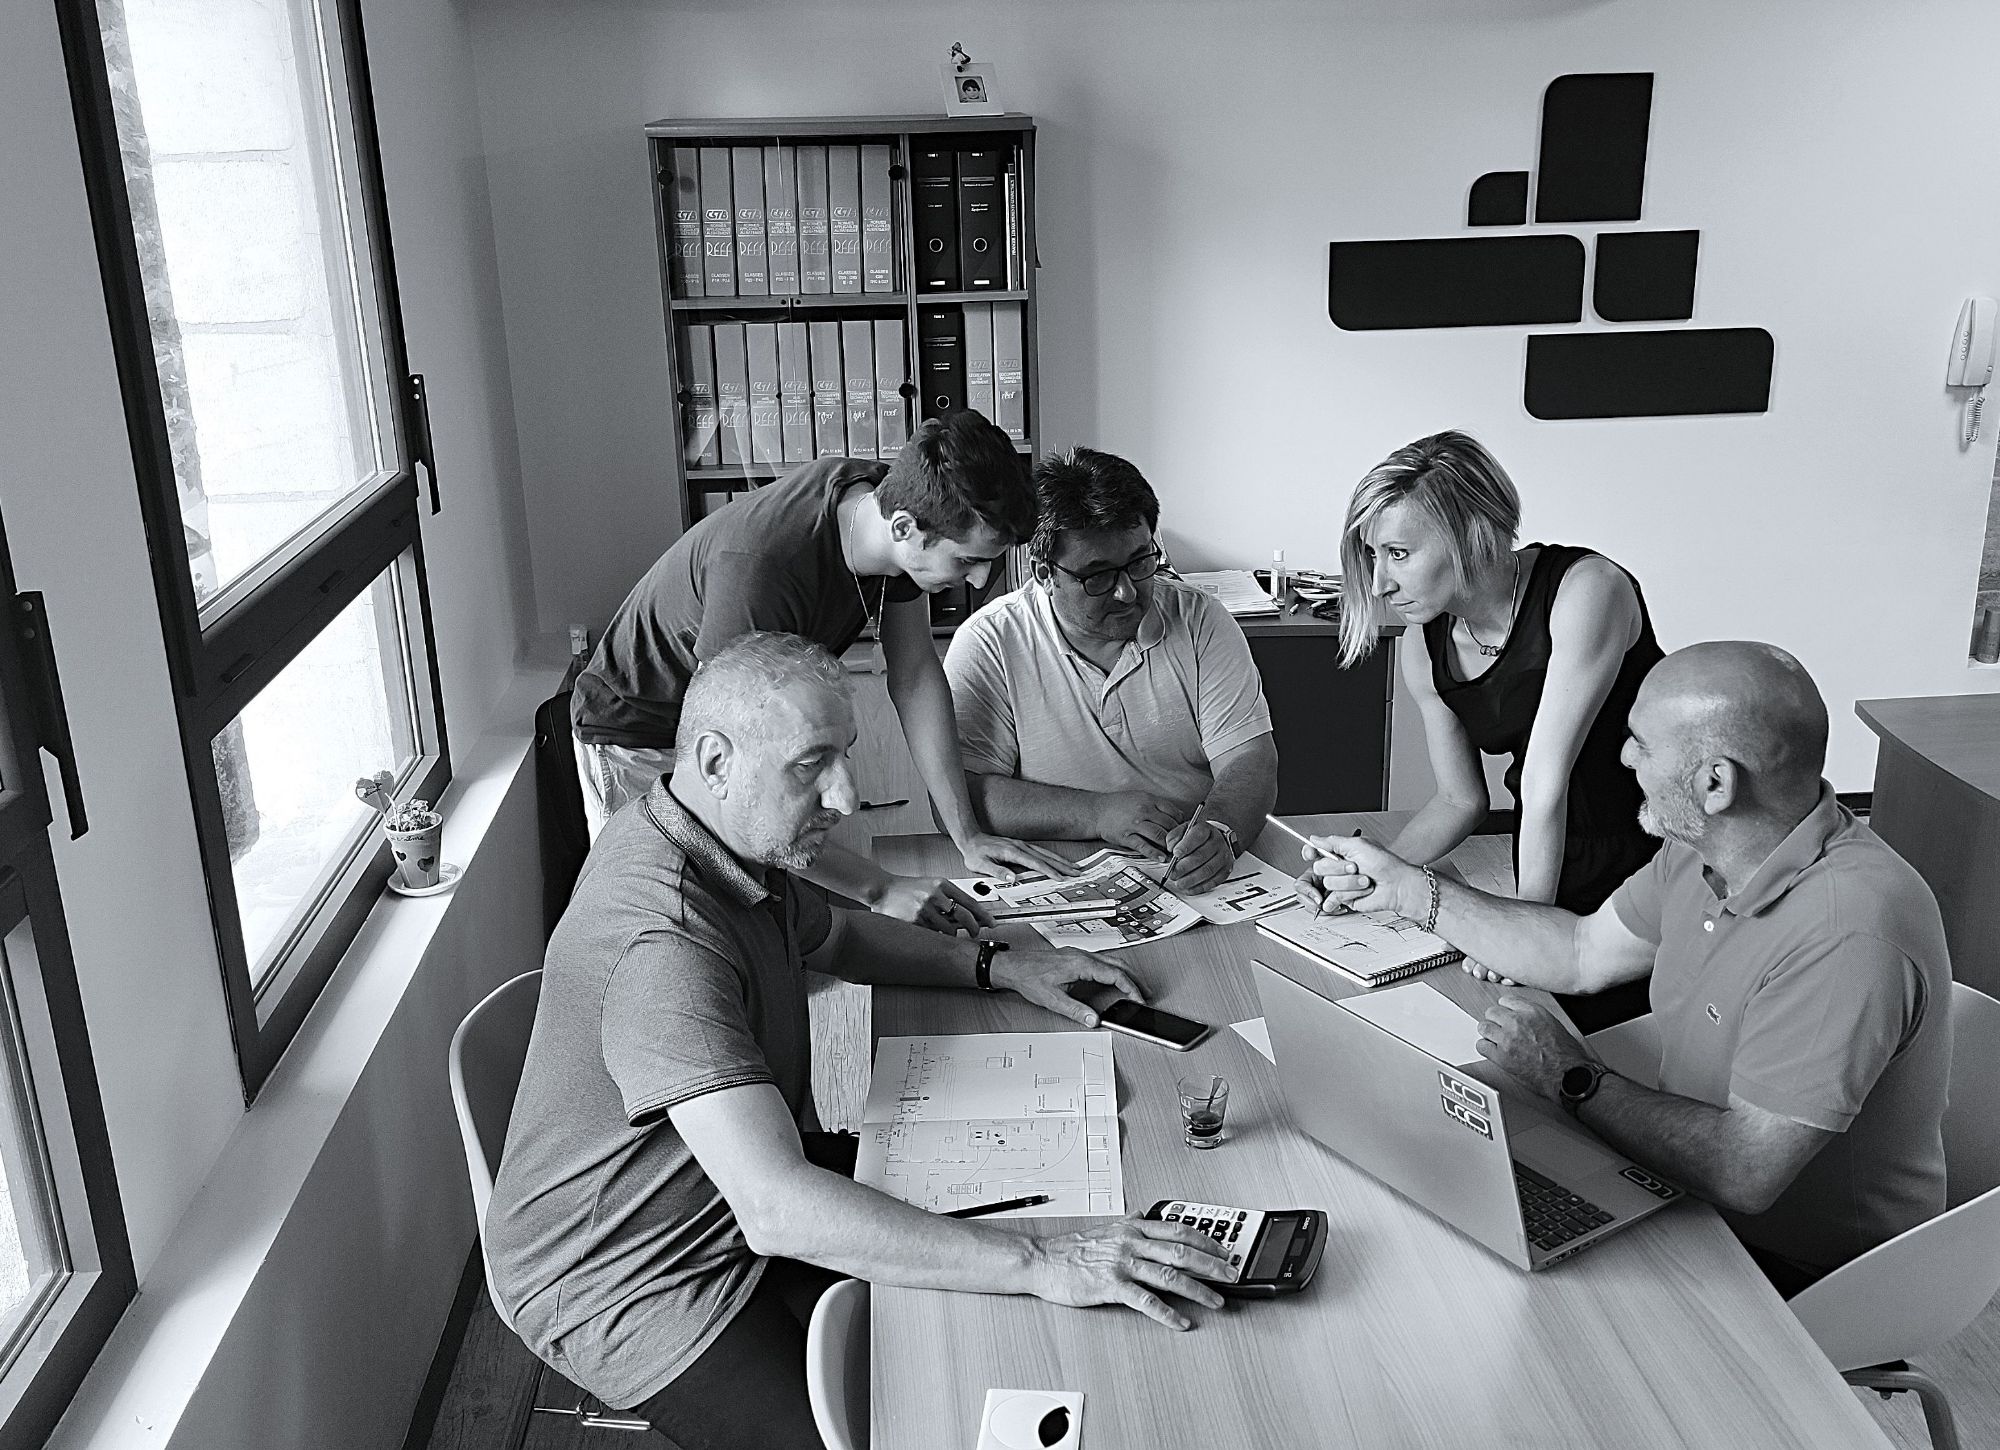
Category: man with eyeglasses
<point>1105,700</point>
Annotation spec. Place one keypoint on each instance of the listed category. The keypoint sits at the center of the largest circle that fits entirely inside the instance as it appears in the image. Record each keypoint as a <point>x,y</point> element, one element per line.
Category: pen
<point>1005,1205</point>
<point>1302,840</point>
<point>1187,832</point>
<point>884,805</point>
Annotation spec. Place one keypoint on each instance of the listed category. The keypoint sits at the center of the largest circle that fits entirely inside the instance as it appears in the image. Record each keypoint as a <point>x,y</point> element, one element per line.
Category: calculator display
<point>1272,1247</point>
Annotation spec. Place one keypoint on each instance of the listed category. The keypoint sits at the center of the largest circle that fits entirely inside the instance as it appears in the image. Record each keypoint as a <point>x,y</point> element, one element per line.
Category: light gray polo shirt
<point>675,972</point>
<point>1820,990</point>
<point>1184,692</point>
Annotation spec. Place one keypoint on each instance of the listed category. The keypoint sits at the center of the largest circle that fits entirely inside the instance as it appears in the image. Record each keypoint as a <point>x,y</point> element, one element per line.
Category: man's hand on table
<point>1044,977</point>
<point>1131,1262</point>
<point>1526,1041</point>
<point>1137,820</point>
<point>1000,856</point>
<point>933,904</point>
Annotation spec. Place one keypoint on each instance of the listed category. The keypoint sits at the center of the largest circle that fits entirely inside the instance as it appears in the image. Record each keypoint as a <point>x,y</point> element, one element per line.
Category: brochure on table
<point>1146,910</point>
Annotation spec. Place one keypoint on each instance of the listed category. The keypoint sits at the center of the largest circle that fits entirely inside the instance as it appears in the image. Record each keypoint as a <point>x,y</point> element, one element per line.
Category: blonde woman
<point>1532,652</point>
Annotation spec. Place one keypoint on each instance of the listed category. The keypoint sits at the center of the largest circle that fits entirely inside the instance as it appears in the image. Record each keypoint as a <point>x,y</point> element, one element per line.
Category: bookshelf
<point>899,293</point>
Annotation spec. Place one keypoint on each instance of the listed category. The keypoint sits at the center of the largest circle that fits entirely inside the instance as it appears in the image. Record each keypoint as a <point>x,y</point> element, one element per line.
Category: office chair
<point>837,1365</point>
<point>486,1055</point>
<point>1926,1285</point>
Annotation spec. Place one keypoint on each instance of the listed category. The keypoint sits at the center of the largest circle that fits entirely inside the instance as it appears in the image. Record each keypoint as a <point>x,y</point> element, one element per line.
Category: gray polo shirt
<point>675,972</point>
<point>1820,990</point>
<point>1184,692</point>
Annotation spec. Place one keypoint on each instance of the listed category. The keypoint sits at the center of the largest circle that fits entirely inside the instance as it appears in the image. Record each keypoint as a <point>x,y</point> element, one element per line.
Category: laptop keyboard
<point>1552,1213</point>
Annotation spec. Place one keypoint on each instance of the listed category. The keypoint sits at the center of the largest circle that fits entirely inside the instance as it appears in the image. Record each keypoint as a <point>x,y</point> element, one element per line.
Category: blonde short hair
<point>1451,480</point>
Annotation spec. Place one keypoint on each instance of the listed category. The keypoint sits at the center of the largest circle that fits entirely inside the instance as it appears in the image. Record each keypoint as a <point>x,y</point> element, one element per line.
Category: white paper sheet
<point>1236,590</point>
<point>954,1121</point>
<point>1257,1033</point>
<point>1424,1017</point>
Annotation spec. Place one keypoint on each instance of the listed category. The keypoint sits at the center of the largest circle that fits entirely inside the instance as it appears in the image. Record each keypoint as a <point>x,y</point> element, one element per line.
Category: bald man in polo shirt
<point>1800,979</point>
<point>1106,701</point>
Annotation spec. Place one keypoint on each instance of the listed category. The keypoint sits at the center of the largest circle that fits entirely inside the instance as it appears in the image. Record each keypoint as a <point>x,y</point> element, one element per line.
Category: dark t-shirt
<point>1602,841</point>
<point>770,560</point>
<point>674,973</point>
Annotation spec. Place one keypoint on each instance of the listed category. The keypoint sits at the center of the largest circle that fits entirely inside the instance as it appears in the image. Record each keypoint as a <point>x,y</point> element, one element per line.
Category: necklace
<point>874,616</point>
<point>1492,651</point>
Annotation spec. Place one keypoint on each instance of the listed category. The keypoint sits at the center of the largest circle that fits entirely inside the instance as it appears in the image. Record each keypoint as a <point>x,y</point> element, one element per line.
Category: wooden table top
<point>1411,1335</point>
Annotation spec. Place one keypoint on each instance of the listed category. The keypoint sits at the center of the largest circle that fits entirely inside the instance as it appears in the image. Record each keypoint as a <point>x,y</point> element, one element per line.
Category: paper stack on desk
<point>954,1121</point>
<point>1235,590</point>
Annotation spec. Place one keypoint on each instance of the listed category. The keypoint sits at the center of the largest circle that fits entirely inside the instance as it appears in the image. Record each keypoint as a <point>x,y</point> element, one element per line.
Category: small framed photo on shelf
<point>968,90</point>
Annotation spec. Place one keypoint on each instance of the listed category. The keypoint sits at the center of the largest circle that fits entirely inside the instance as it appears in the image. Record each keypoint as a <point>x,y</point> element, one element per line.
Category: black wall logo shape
<point>1592,168</point>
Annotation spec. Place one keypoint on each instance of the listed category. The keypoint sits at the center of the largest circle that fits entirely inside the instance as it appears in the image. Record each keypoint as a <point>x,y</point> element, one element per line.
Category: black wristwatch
<point>982,964</point>
<point>1579,1084</point>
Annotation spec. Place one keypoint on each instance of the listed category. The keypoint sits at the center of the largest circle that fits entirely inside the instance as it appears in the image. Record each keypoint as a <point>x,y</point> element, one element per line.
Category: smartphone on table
<point>1150,1023</point>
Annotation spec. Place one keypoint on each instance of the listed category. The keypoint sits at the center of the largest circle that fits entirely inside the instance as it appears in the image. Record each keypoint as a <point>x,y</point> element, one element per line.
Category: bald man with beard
<point>1800,979</point>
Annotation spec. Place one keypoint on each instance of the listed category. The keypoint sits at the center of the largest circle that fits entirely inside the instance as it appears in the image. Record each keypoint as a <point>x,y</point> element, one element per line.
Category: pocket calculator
<point>1270,1251</point>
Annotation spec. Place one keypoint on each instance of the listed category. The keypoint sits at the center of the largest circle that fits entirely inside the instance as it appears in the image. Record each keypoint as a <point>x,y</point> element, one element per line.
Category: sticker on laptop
<point>1465,1093</point>
<point>1458,1112</point>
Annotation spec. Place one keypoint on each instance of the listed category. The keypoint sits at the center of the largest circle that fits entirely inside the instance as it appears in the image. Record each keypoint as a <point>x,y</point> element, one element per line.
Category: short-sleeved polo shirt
<point>675,972</point>
<point>1183,693</point>
<point>1819,990</point>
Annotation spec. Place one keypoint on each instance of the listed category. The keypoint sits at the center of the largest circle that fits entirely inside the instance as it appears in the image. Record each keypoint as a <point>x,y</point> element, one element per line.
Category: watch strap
<point>982,963</point>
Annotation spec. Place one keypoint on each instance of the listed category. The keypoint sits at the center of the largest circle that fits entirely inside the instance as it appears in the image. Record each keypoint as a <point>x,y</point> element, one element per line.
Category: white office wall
<point>1196,160</point>
<point>133,889</point>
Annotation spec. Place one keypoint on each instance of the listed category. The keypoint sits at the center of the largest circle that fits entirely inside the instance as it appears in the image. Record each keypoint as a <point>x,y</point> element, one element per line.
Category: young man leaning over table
<point>660,1227</point>
<point>1104,700</point>
<point>834,547</point>
<point>1800,980</point>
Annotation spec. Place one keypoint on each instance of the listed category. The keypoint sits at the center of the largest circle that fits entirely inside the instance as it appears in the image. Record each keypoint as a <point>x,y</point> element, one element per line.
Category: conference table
<point>1410,1335</point>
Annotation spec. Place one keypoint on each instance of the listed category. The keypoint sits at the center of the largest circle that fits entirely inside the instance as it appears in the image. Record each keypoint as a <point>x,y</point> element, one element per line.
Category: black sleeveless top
<point>1603,843</point>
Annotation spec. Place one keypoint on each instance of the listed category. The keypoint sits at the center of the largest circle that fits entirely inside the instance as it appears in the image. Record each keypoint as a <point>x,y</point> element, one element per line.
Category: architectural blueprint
<point>954,1121</point>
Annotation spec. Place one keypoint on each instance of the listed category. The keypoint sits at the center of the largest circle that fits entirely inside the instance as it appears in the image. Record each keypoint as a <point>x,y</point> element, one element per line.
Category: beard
<point>797,852</point>
<point>1675,819</point>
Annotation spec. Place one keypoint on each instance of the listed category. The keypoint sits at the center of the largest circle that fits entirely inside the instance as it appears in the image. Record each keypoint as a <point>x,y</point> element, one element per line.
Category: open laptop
<point>1465,1142</point>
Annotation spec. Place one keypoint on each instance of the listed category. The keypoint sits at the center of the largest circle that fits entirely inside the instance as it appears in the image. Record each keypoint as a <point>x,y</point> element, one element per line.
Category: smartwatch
<point>1579,1085</point>
<point>982,964</point>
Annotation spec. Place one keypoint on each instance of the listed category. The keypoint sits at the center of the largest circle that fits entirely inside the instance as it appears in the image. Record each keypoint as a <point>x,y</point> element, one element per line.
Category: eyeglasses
<point>1099,582</point>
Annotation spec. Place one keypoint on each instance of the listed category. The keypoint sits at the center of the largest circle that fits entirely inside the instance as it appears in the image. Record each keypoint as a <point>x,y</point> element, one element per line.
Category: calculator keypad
<point>1235,1229</point>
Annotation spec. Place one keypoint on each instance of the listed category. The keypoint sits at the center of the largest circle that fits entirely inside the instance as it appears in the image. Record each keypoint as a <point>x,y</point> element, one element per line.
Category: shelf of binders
<point>830,281</point>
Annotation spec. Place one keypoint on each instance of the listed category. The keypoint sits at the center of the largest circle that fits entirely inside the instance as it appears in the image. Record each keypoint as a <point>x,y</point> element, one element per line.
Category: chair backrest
<point>486,1056</point>
<point>1971,1127</point>
<point>1927,1284</point>
<point>837,1365</point>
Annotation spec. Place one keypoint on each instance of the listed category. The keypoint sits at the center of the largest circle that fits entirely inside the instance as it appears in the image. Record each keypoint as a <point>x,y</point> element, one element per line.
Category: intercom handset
<point>1973,348</point>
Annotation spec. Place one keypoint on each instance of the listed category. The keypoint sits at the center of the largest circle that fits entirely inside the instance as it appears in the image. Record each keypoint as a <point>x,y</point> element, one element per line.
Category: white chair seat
<point>837,1365</point>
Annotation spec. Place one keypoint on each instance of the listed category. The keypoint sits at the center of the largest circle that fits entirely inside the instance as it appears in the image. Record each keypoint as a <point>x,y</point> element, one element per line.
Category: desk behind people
<point>1665,1335</point>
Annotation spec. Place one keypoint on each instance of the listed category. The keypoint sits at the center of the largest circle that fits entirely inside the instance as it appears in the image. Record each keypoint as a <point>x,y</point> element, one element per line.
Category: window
<point>236,192</point>
<point>65,1269</point>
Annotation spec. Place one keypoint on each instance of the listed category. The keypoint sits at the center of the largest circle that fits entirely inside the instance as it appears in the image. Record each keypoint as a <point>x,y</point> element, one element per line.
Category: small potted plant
<point>413,829</point>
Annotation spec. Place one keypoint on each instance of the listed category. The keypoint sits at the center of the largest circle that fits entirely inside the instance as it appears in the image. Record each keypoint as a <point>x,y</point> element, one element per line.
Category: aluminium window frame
<point>55,1337</point>
<point>271,613</point>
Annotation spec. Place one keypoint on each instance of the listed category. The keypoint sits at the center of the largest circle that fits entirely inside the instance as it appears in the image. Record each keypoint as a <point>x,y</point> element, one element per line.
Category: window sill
<point>300,1297</point>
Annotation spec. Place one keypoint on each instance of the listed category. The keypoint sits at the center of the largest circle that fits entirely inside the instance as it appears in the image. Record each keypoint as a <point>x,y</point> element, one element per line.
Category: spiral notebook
<point>1372,947</point>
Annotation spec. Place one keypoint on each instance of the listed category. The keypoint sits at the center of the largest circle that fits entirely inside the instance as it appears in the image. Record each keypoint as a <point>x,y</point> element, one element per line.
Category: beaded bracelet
<point>1430,876</point>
